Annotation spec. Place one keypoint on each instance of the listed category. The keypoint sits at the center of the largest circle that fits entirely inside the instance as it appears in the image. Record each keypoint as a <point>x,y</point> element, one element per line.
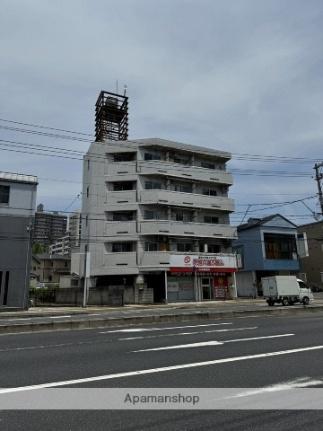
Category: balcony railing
<point>170,197</point>
<point>159,167</point>
<point>170,227</point>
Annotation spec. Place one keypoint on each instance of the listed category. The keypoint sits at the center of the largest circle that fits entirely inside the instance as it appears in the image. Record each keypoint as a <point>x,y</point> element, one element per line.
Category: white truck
<point>285,290</point>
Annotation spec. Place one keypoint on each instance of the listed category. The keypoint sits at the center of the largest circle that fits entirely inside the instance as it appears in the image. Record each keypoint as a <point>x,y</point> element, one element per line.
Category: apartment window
<point>123,185</point>
<point>184,216</point>
<point>151,246</point>
<point>280,246</point>
<point>213,248</point>
<point>151,215</point>
<point>87,191</point>
<point>211,219</point>
<point>208,165</point>
<point>88,165</point>
<point>123,216</point>
<point>124,157</point>
<point>184,247</point>
<point>152,156</point>
<point>209,192</point>
<point>176,158</point>
<point>121,247</point>
<point>4,194</point>
<point>184,188</point>
<point>150,185</point>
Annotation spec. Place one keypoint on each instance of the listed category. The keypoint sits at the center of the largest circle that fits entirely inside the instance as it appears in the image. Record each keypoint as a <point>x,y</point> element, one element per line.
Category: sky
<point>244,76</point>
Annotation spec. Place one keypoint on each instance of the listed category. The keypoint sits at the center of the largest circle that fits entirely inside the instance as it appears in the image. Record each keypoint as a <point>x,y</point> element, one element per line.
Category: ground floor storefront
<point>196,286</point>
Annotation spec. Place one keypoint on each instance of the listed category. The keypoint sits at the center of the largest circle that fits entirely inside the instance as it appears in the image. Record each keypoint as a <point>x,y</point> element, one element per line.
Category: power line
<point>237,156</point>
<point>45,127</point>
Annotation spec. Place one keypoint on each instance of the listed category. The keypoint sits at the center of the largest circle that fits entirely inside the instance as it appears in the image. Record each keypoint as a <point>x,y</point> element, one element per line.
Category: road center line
<point>187,333</point>
<point>162,329</point>
<point>160,369</point>
<point>209,343</point>
<point>58,317</point>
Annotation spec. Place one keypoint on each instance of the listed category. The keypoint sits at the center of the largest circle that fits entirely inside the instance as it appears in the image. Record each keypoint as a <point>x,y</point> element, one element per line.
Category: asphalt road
<point>168,354</point>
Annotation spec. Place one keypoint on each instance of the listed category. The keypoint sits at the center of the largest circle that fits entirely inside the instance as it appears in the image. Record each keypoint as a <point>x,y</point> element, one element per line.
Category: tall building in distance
<point>49,226</point>
<point>17,209</point>
<point>156,220</point>
<point>74,227</point>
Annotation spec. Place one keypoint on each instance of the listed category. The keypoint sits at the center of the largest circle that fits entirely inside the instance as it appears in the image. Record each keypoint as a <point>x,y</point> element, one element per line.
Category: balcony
<point>196,173</point>
<point>169,197</point>
<point>169,227</point>
<point>123,197</point>
<point>114,228</point>
<point>116,263</point>
<point>158,167</point>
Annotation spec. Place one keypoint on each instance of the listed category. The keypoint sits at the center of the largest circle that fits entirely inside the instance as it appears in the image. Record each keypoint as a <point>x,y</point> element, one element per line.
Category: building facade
<point>74,227</point>
<point>17,210</point>
<point>312,262</point>
<point>61,247</point>
<point>156,221</point>
<point>48,269</point>
<point>49,226</point>
<point>265,246</point>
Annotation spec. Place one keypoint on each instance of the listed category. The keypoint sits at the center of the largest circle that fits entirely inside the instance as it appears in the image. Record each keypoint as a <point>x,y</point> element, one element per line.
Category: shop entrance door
<point>206,288</point>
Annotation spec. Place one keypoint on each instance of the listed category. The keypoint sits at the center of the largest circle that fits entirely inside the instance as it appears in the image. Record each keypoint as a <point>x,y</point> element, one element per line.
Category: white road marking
<point>301,382</point>
<point>187,333</point>
<point>58,317</point>
<point>161,329</point>
<point>160,369</point>
<point>209,343</point>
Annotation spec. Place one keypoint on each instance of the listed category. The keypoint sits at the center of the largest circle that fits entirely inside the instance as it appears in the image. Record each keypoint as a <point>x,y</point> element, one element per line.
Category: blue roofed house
<point>265,247</point>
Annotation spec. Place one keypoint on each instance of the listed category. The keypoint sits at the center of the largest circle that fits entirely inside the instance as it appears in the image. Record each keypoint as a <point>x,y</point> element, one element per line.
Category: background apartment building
<point>156,220</point>
<point>49,226</point>
<point>17,209</point>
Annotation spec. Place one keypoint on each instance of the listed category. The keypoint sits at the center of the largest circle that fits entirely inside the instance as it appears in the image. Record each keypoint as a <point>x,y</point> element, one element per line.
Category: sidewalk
<point>71,318</point>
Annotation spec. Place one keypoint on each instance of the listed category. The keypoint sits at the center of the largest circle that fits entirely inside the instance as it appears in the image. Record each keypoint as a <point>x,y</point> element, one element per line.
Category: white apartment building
<point>156,221</point>
<point>61,247</point>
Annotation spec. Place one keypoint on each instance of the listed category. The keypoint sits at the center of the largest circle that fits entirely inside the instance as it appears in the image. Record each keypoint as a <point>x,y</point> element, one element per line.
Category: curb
<point>137,320</point>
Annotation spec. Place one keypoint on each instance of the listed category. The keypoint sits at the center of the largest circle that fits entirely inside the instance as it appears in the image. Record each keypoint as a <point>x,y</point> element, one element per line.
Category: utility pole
<point>319,178</point>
